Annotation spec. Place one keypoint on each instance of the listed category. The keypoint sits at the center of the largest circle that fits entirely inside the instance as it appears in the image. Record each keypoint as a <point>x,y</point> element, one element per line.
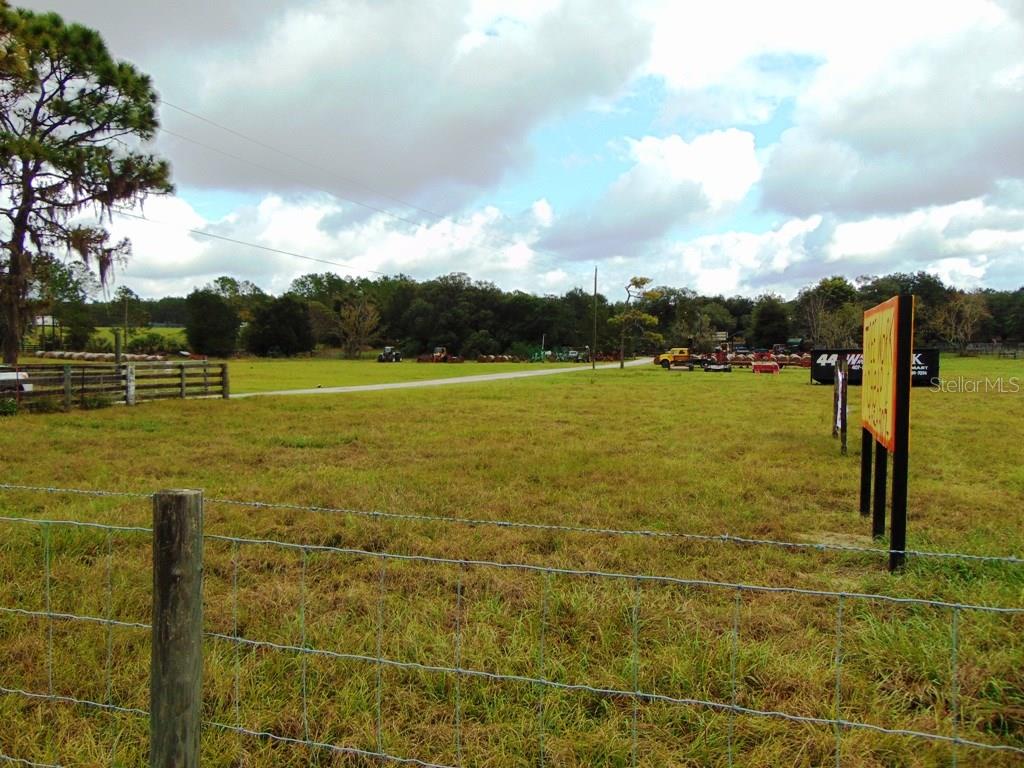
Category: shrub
<point>212,326</point>
<point>281,328</point>
<point>92,402</point>
<point>45,405</point>
<point>152,343</point>
<point>99,344</point>
<point>8,406</point>
<point>175,343</point>
<point>78,326</point>
<point>480,343</point>
<point>520,350</point>
<point>50,344</point>
<point>411,349</point>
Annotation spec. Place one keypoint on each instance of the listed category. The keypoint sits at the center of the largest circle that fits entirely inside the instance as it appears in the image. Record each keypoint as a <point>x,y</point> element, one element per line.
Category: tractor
<point>389,355</point>
<point>440,355</point>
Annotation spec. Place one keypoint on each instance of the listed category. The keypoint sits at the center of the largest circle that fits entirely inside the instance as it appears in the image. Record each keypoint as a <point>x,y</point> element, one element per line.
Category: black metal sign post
<point>885,418</point>
<point>866,441</point>
<point>881,475</point>
<point>844,400</point>
<point>901,453</point>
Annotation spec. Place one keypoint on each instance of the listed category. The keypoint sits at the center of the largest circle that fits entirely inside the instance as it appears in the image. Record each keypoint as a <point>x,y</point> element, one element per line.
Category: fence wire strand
<point>64,699</point>
<point>723,538</point>
<point>616,693</point>
<point>336,748</point>
<point>597,574</point>
<point>4,758</point>
<point>75,524</point>
<point>56,616</point>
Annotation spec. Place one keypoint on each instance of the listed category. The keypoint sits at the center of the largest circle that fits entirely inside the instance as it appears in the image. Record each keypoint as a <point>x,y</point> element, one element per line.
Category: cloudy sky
<point>732,147</point>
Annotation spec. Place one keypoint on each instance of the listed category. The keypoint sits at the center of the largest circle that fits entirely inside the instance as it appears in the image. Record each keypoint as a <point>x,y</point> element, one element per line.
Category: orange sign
<point>878,388</point>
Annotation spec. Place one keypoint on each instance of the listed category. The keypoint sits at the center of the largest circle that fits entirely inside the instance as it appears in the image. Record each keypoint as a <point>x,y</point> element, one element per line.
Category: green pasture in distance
<point>268,375</point>
<point>107,332</point>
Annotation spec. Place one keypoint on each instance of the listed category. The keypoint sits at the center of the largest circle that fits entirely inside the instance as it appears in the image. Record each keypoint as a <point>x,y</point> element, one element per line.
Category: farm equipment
<point>440,355</point>
<point>675,356</point>
<point>574,355</point>
<point>758,362</point>
<point>765,366</point>
<point>389,355</point>
<point>14,381</point>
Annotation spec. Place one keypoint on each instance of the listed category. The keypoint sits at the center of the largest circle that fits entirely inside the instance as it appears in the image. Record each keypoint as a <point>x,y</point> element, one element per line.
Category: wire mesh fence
<point>316,652</point>
<point>722,538</point>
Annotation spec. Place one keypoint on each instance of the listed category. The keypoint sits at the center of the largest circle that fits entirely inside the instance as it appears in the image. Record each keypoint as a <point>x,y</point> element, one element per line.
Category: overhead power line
<point>319,167</point>
<point>296,158</point>
<point>236,241</point>
<point>240,159</point>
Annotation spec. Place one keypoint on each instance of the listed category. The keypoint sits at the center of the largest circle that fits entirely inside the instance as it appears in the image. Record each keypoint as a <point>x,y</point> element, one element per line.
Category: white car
<point>14,381</point>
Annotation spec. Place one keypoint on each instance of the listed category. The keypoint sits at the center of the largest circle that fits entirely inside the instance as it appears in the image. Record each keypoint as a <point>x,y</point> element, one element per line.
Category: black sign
<point>823,365</point>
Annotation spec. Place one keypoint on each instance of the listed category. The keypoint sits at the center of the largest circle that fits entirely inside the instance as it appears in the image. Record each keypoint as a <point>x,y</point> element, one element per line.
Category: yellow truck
<point>675,356</point>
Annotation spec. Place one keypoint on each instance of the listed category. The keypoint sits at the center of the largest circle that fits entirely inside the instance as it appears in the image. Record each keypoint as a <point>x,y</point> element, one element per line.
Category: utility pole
<point>593,345</point>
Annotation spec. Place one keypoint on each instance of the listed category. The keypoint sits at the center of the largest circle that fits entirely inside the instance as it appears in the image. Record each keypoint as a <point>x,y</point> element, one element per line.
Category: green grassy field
<point>260,374</point>
<point>639,448</point>
<point>107,332</point>
<point>266,375</point>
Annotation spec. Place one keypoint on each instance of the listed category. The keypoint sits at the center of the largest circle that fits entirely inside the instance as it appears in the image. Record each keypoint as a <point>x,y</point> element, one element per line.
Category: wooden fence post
<point>67,387</point>
<point>129,384</point>
<point>175,690</point>
<point>224,383</point>
<point>182,381</point>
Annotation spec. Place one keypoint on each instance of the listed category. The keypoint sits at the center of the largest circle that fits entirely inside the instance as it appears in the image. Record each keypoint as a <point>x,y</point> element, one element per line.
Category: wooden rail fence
<point>131,383</point>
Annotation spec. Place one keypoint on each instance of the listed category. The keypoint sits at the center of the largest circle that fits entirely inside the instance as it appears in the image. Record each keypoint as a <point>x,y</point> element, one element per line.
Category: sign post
<point>840,395</point>
<point>825,364</point>
<point>881,478</point>
<point>885,415</point>
<point>866,441</point>
<point>901,454</point>
<point>844,398</point>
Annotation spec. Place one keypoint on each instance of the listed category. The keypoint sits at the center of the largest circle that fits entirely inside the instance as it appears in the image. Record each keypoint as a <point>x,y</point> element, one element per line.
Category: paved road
<point>441,382</point>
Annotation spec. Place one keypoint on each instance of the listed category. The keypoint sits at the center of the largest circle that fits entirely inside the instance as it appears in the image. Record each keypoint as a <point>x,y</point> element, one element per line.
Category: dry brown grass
<point>641,448</point>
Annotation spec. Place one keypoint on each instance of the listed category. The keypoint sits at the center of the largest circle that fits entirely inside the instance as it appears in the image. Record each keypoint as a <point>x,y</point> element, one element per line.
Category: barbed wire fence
<point>544,682</point>
<point>723,538</point>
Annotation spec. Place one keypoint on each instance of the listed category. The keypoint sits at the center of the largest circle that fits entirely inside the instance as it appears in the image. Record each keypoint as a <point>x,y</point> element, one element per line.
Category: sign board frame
<point>885,416</point>
<point>926,368</point>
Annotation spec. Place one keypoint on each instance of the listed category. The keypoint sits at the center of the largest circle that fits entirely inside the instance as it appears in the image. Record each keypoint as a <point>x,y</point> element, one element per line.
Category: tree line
<point>471,317</point>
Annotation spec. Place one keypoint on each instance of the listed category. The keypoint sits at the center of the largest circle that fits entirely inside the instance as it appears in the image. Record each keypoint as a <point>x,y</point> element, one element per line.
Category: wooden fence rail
<point>91,385</point>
